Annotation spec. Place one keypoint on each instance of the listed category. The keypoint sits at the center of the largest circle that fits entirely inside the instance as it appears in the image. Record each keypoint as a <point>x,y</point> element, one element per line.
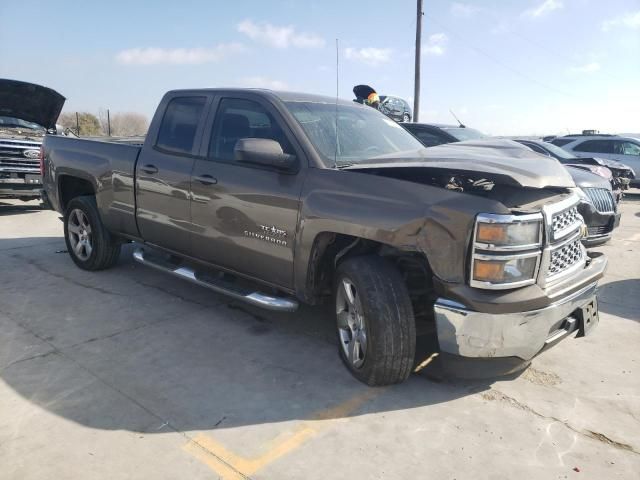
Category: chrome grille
<point>601,198</point>
<point>565,257</point>
<point>12,156</point>
<point>566,222</point>
<point>600,230</point>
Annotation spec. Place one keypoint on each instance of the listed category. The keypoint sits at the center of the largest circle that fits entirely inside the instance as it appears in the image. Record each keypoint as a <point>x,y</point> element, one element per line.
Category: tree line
<point>120,124</point>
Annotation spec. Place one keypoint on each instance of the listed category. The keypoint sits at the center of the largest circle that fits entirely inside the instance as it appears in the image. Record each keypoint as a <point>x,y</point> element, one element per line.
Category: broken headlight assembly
<point>506,251</point>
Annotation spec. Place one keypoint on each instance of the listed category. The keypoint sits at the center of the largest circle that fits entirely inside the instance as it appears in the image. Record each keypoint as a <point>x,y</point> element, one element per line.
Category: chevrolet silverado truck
<point>27,112</point>
<point>278,198</point>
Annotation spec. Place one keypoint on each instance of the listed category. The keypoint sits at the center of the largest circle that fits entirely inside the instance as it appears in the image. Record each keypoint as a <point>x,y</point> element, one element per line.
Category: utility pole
<point>108,123</point>
<point>77,124</point>
<point>416,81</point>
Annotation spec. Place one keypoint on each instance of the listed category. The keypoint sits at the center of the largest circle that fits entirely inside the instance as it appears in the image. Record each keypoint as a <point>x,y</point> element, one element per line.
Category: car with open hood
<point>278,198</point>
<point>27,112</point>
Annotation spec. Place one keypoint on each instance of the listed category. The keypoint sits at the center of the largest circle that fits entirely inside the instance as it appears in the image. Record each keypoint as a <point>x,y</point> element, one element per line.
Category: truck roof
<point>284,96</point>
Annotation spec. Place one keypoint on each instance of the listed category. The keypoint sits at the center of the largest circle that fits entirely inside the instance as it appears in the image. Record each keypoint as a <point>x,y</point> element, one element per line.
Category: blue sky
<point>516,67</point>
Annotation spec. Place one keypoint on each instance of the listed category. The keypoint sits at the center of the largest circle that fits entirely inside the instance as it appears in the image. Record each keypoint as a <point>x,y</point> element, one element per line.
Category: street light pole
<point>416,81</point>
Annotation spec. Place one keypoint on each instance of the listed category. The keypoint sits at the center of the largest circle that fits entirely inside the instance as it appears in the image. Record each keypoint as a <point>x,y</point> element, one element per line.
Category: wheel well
<point>330,249</point>
<point>71,187</point>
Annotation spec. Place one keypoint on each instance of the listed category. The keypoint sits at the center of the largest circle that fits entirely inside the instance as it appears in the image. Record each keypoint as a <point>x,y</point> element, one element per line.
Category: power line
<point>497,61</point>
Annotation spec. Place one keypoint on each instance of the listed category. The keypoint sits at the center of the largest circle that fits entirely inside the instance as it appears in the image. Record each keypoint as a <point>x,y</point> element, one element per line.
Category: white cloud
<point>586,68</point>
<point>544,8</point>
<point>279,37</point>
<point>263,82</point>
<point>369,55</point>
<point>177,56</point>
<point>628,20</point>
<point>463,9</point>
<point>435,44</point>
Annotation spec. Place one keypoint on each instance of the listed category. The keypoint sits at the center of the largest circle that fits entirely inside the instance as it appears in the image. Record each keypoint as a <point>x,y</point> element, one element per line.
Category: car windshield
<point>13,122</point>
<point>464,133</point>
<point>363,132</point>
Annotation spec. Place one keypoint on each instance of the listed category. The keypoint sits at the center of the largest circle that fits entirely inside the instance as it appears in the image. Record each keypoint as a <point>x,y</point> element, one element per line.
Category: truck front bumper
<point>466,333</point>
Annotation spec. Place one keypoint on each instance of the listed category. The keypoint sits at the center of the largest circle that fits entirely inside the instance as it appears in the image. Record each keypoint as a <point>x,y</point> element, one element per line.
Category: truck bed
<point>109,166</point>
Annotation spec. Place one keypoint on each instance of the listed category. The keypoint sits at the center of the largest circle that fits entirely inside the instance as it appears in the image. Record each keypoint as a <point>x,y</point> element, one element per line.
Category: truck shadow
<point>18,208</point>
<point>133,349</point>
<point>620,298</point>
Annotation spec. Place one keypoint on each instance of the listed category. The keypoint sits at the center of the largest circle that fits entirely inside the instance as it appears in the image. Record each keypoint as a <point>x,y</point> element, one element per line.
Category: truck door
<point>245,216</point>
<point>163,174</point>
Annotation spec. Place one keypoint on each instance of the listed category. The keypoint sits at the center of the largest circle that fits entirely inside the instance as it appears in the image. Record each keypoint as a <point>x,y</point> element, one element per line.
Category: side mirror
<point>263,151</point>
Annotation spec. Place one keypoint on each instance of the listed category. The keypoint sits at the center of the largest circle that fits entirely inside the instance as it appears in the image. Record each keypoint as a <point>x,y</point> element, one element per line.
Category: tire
<point>406,117</point>
<point>82,225</point>
<point>381,308</point>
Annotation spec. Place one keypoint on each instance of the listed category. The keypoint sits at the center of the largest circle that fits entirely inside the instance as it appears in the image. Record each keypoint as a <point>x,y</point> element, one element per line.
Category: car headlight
<point>583,196</point>
<point>506,250</point>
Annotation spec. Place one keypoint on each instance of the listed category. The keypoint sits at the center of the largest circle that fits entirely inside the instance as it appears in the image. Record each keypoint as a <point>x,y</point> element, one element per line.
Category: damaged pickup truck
<point>254,194</point>
<point>27,113</point>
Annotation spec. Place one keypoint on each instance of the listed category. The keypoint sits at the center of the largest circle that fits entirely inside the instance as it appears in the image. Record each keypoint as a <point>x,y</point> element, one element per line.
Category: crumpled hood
<point>605,162</point>
<point>501,160</point>
<point>30,102</point>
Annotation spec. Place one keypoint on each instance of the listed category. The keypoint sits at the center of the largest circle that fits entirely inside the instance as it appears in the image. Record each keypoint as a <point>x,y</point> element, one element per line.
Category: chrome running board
<point>218,285</point>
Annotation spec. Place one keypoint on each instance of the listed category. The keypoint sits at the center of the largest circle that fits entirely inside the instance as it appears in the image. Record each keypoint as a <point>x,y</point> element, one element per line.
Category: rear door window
<point>179,124</point>
<point>595,146</point>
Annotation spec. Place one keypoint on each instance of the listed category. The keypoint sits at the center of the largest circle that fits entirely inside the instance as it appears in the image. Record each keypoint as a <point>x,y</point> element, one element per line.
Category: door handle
<point>206,179</point>
<point>150,169</point>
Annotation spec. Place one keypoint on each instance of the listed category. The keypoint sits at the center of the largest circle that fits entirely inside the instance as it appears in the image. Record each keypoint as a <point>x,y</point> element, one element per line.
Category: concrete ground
<point>129,373</point>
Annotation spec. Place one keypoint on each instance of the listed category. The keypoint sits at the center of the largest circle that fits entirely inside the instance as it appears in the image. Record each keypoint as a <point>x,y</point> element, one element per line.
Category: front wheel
<point>375,321</point>
<point>89,243</point>
<point>406,117</point>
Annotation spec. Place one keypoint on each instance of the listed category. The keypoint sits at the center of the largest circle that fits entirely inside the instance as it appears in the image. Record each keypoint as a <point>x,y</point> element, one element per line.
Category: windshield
<point>463,133</point>
<point>363,133</point>
<point>12,122</point>
<point>558,152</point>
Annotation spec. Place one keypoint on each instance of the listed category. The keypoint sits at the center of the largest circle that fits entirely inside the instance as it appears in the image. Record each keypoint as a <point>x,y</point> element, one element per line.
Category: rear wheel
<point>89,244</point>
<point>406,117</point>
<point>375,321</point>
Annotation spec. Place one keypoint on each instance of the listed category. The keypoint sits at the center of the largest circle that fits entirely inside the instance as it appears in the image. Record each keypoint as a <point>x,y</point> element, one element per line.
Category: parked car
<point>27,112</point>
<point>432,134</point>
<point>597,206</point>
<point>478,244</point>
<point>619,174</point>
<point>395,108</point>
<point>610,147</point>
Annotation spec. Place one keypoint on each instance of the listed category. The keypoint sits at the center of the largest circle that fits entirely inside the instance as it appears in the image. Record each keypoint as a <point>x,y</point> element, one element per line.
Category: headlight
<point>506,250</point>
<point>509,270</point>
<point>513,235</point>
<point>583,196</point>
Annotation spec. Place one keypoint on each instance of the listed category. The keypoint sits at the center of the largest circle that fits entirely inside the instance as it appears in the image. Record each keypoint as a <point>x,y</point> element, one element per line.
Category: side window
<point>595,146</point>
<point>627,148</point>
<point>236,119</point>
<point>428,139</point>
<point>179,124</point>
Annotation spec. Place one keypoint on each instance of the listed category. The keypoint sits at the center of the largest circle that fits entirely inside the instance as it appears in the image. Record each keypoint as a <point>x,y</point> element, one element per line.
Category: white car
<point>612,147</point>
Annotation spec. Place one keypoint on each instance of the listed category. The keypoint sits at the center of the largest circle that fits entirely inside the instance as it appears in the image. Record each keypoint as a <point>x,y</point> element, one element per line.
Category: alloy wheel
<point>79,233</point>
<point>352,329</point>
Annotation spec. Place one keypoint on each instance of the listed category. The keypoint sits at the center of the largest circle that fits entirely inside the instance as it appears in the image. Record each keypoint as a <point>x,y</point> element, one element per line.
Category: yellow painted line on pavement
<point>231,466</point>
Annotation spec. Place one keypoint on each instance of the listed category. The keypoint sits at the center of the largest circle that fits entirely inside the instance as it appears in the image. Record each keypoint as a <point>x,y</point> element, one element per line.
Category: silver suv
<point>612,147</point>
